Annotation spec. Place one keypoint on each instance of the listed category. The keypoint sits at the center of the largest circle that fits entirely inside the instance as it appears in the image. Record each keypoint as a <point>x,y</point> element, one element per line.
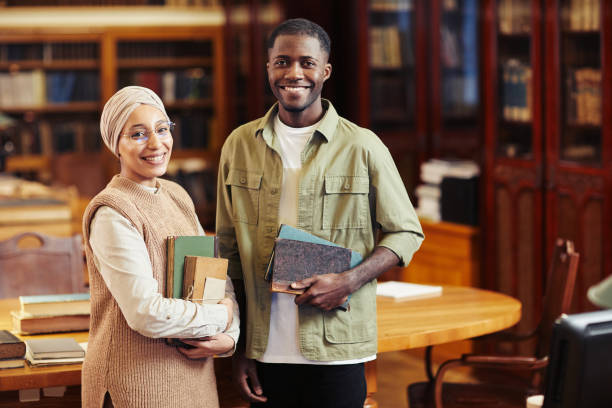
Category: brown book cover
<point>177,248</point>
<point>28,324</point>
<point>197,270</point>
<point>11,346</point>
<point>297,260</point>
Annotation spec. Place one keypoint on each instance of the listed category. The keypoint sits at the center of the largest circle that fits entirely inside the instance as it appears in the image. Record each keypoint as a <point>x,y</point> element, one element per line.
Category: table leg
<point>370,374</point>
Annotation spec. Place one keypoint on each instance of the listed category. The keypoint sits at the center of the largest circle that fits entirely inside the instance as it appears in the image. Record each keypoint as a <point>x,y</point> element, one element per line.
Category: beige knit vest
<point>139,371</point>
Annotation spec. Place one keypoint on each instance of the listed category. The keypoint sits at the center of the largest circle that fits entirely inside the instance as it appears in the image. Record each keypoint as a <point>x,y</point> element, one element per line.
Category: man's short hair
<point>301,26</point>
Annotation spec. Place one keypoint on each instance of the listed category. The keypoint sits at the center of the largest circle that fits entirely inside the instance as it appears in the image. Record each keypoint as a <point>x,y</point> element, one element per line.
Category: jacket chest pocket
<point>244,187</point>
<point>345,202</point>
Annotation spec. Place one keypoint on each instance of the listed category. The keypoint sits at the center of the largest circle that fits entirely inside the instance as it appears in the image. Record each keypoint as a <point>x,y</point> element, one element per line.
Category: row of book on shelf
<point>81,133</point>
<point>37,88</point>
<point>48,51</point>
<point>583,105</point>
<point>583,15</point>
<point>516,91</point>
<point>390,47</point>
<point>514,16</point>
<point>129,50</point>
<point>391,5</point>
<point>177,85</point>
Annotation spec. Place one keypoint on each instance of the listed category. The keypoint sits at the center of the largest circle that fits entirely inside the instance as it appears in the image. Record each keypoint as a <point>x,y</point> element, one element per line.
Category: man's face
<point>297,68</point>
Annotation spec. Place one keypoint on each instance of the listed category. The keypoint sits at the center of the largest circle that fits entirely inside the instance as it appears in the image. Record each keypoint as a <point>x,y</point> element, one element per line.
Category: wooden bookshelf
<point>548,174</point>
<point>68,61</point>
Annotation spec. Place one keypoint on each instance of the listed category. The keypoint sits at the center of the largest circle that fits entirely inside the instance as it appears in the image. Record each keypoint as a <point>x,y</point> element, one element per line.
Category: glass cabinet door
<point>459,53</point>
<point>515,74</point>
<point>392,64</point>
<point>581,85</point>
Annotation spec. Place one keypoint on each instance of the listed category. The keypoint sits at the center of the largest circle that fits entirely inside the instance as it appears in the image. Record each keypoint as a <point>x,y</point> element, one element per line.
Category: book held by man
<point>297,260</point>
<point>299,254</point>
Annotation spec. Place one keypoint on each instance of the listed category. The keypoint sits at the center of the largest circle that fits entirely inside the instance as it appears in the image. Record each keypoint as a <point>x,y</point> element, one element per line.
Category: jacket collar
<point>327,126</point>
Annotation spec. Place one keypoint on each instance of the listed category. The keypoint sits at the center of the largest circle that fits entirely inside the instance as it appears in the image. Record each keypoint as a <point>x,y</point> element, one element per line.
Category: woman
<point>128,363</point>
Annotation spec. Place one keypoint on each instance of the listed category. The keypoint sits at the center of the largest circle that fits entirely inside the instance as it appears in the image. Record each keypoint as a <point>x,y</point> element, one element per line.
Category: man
<point>303,165</point>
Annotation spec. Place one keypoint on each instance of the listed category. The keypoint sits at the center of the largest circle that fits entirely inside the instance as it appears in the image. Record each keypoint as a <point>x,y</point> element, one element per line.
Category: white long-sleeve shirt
<point>120,254</point>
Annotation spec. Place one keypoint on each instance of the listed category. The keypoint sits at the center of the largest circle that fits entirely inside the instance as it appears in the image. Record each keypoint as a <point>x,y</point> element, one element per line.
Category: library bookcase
<point>548,156</point>
<point>421,71</point>
<point>59,65</point>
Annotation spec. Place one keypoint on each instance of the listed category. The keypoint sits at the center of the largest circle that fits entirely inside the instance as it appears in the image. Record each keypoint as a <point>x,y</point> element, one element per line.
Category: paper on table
<point>214,290</point>
<point>405,290</point>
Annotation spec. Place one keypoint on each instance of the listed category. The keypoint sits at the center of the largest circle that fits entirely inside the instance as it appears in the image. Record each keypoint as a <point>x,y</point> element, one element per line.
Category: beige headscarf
<point>118,109</point>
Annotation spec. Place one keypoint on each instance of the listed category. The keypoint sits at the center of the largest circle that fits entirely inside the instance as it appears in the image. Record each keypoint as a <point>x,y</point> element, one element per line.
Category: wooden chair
<point>557,299</point>
<point>32,263</point>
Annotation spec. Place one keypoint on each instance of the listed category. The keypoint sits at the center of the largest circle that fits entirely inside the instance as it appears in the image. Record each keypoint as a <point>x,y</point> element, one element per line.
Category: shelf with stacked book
<point>181,72</point>
<point>177,52</point>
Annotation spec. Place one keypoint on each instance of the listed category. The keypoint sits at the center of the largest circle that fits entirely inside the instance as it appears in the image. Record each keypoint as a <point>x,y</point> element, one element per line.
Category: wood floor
<point>396,370</point>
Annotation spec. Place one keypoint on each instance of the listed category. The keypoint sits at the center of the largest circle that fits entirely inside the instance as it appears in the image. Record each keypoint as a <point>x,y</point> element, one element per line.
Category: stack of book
<point>449,192</point>
<point>12,350</point>
<point>54,351</point>
<point>52,313</point>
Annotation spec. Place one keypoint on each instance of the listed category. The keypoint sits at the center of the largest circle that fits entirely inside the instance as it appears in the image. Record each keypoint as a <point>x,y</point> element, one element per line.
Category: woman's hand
<point>208,346</point>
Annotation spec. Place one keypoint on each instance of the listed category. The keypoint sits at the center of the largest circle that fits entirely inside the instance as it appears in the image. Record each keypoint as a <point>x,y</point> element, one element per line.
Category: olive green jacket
<point>349,188</point>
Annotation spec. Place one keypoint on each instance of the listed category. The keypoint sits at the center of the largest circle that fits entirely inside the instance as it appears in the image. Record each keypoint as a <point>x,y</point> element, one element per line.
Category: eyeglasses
<point>140,135</point>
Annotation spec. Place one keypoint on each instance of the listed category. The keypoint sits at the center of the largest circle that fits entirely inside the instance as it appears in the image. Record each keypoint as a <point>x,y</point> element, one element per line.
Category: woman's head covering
<point>118,109</point>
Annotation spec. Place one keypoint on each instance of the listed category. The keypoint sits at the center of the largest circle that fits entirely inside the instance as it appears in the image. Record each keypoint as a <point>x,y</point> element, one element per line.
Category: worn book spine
<point>27,324</point>
<point>170,267</point>
<point>11,346</point>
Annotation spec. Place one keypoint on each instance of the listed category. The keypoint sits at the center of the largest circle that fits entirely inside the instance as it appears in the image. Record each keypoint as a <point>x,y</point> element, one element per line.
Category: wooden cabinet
<point>578,133</point>
<point>418,79</point>
<point>548,143</point>
<point>449,255</point>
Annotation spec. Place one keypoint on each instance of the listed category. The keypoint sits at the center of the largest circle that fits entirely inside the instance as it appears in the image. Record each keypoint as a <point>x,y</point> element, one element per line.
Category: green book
<point>180,246</point>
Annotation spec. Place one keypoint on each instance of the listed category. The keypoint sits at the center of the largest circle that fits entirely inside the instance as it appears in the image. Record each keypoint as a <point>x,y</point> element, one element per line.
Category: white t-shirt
<point>283,345</point>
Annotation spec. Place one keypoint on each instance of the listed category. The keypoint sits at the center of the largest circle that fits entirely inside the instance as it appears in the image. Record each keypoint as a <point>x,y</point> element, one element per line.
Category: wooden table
<point>459,313</point>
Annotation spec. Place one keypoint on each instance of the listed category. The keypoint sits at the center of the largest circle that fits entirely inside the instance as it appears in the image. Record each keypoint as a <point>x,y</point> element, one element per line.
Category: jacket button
<point>242,180</point>
<point>347,186</point>
<point>274,191</point>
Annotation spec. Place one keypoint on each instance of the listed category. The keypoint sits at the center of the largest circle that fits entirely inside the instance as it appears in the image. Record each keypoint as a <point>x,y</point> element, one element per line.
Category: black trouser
<point>312,386</point>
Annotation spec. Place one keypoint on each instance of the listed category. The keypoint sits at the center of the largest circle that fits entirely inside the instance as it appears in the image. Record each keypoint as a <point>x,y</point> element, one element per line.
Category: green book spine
<point>178,248</point>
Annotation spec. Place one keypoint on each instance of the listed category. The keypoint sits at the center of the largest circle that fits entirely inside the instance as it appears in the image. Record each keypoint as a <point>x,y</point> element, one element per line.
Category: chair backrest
<point>47,265</point>
<point>560,283</point>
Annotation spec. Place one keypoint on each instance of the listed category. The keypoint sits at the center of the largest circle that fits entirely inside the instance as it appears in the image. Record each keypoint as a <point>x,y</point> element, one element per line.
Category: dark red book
<point>11,346</point>
<point>296,260</point>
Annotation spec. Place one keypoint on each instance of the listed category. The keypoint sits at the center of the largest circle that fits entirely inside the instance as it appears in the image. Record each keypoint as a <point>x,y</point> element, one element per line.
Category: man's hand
<point>325,292</point>
<point>207,346</point>
<point>246,380</point>
<point>230,310</point>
